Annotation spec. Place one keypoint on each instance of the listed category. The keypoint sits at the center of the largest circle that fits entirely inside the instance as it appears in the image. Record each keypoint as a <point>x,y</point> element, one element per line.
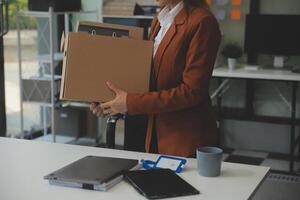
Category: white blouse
<point>166,18</point>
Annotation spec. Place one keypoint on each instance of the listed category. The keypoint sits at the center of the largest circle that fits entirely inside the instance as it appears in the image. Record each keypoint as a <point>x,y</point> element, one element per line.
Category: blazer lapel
<point>179,19</point>
<point>155,29</point>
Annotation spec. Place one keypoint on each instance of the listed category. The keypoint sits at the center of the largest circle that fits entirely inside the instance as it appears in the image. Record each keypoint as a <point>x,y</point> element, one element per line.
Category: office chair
<point>134,133</point>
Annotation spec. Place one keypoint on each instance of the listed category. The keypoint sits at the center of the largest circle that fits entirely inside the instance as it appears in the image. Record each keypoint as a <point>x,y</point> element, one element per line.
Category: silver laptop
<point>91,172</point>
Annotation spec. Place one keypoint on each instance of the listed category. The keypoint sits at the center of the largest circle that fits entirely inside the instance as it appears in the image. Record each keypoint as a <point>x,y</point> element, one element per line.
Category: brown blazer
<point>183,68</point>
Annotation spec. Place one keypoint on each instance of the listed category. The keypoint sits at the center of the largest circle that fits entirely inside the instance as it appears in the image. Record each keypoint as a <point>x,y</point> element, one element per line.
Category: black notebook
<point>159,183</point>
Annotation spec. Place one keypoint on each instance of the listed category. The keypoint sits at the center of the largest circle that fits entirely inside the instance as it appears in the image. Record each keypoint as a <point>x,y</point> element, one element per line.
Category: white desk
<point>263,74</point>
<point>24,163</point>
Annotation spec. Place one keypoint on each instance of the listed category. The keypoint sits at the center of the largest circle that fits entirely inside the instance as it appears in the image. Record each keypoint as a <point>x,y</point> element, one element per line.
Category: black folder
<point>159,183</point>
<point>94,30</point>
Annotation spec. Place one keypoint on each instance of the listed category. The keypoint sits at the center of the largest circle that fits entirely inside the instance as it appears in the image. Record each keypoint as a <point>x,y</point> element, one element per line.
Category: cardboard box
<point>92,60</point>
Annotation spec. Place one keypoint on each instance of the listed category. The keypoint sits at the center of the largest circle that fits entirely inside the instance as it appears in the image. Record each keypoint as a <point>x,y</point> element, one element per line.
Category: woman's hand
<point>118,104</point>
<point>96,109</point>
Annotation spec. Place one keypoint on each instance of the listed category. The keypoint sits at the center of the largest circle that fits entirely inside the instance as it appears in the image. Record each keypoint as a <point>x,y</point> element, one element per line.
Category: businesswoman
<point>186,40</point>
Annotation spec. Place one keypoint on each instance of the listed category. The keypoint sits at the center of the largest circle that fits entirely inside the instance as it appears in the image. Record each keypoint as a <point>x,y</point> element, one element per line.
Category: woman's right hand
<point>96,109</point>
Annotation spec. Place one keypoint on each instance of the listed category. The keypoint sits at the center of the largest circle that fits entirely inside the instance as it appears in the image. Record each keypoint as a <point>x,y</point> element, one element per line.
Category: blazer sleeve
<point>197,73</point>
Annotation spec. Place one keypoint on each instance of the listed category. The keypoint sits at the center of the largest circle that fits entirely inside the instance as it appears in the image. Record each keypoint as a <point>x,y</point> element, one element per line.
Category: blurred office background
<point>255,116</point>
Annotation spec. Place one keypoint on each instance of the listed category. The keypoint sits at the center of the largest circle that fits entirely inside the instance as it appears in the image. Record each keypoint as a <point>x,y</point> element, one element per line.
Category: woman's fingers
<point>102,110</point>
<point>93,106</point>
<point>117,105</point>
<point>113,113</point>
<point>114,88</point>
<point>97,110</point>
<point>99,113</point>
<point>107,105</point>
<point>107,111</point>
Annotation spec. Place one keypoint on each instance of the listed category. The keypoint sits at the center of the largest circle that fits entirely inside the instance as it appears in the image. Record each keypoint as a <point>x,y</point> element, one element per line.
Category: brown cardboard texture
<point>92,60</point>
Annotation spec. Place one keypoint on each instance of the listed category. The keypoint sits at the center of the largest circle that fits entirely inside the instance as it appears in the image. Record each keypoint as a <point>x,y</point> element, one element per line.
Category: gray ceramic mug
<point>209,161</point>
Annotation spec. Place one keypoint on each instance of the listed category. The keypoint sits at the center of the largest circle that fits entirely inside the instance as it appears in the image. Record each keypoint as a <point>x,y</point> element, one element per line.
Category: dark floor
<point>277,161</point>
<point>277,186</point>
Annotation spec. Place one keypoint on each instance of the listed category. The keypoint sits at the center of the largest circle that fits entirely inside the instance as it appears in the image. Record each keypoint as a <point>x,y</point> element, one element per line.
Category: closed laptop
<point>91,172</point>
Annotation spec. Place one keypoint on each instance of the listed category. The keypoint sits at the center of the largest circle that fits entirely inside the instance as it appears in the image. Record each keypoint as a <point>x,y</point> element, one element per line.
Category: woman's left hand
<point>118,104</point>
